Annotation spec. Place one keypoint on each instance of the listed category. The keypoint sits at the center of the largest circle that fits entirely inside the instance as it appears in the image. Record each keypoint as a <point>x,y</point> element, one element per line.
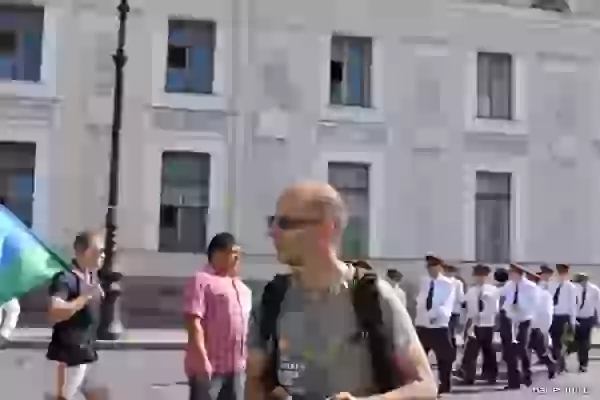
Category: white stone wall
<point>269,123</point>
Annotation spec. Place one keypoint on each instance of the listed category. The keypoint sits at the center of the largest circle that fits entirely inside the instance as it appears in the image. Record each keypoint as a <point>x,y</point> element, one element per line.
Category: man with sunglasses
<point>75,297</point>
<point>318,353</point>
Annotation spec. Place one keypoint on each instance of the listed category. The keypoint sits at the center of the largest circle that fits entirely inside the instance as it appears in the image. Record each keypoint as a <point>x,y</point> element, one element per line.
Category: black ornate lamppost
<point>111,326</point>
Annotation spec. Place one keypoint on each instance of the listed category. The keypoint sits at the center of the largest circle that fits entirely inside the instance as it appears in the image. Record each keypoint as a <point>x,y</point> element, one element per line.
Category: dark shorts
<point>219,387</point>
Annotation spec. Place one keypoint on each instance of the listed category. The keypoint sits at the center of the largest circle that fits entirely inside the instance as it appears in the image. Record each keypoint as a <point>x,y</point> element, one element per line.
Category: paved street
<point>157,375</point>
<point>151,375</point>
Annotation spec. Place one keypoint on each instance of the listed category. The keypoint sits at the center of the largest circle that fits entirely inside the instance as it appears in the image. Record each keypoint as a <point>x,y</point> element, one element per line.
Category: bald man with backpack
<point>332,330</point>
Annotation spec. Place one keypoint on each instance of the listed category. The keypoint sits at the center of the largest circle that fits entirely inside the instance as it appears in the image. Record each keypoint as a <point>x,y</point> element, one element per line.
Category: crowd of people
<point>549,313</point>
<point>332,329</point>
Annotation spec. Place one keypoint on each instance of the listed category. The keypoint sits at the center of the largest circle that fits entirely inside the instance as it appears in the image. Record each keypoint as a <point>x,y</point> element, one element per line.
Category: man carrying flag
<point>75,297</point>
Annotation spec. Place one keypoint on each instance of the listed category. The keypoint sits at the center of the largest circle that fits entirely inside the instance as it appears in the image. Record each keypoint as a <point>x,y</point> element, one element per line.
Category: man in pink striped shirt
<point>217,310</point>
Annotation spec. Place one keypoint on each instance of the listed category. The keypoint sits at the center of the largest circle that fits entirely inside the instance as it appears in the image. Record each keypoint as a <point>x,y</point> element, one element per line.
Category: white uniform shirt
<point>459,296</point>
<point>488,294</point>
<point>401,293</point>
<point>543,284</point>
<point>527,301</point>
<point>545,309</point>
<point>591,305</point>
<point>443,303</point>
<point>567,298</point>
<point>10,311</point>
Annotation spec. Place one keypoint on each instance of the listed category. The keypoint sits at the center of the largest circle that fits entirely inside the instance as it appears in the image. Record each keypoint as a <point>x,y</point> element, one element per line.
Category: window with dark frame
<point>190,56</point>
<point>21,32</point>
<point>184,203</point>
<point>17,177</point>
<point>495,86</point>
<point>493,217</point>
<point>352,182</point>
<point>350,71</point>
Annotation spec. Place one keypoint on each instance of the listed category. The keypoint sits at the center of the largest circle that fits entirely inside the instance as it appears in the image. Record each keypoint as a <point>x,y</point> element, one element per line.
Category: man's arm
<point>411,361</point>
<point>258,358</point>
<point>60,309</point>
<point>194,310</point>
<point>573,304</point>
<point>493,301</point>
<point>548,305</point>
<point>596,301</point>
<point>459,292</point>
<point>531,298</point>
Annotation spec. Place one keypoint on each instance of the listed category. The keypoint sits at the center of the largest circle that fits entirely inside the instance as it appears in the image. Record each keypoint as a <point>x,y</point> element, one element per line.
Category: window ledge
<point>487,125</point>
<point>26,89</point>
<point>352,114</point>
<point>190,101</point>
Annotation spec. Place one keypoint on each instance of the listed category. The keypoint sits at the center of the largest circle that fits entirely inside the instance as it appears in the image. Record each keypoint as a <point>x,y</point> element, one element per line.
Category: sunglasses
<point>290,223</point>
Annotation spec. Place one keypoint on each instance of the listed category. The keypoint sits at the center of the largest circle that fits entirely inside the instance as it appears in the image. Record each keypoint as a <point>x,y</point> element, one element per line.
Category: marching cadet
<point>395,278</point>
<point>481,309</point>
<point>521,298</point>
<point>502,321</point>
<point>539,340</point>
<point>459,298</point>
<point>435,302</point>
<point>588,309</point>
<point>564,298</point>
<point>544,275</point>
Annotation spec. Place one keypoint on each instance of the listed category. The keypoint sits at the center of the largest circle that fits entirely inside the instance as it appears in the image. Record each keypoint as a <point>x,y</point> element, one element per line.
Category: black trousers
<point>583,334</point>
<point>483,341</point>
<point>453,327</point>
<point>438,340</point>
<point>560,323</point>
<point>468,348</point>
<point>538,342</point>
<point>515,353</point>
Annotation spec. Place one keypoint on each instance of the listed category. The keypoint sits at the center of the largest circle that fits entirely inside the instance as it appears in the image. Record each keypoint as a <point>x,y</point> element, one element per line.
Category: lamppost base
<point>111,326</point>
<point>111,332</point>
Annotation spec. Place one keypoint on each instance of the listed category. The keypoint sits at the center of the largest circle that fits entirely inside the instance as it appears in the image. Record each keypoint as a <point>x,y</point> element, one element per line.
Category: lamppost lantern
<point>111,327</point>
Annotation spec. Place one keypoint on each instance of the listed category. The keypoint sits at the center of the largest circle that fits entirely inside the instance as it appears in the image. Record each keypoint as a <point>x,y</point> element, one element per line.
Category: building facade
<point>468,128</point>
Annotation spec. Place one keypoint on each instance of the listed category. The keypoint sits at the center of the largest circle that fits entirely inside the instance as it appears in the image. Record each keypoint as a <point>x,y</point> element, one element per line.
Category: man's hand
<point>279,393</point>
<point>204,369</point>
<point>92,291</point>
<point>343,396</point>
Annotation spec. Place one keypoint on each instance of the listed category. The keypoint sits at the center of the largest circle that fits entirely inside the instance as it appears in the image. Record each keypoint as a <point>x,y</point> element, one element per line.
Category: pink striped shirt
<point>223,304</point>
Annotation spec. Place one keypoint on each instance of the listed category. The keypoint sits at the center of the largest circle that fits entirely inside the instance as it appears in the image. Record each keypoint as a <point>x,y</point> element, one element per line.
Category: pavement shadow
<point>476,389</point>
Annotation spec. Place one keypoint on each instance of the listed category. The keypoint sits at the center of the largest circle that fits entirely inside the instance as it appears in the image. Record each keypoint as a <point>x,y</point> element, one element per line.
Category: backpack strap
<point>270,308</point>
<point>367,308</point>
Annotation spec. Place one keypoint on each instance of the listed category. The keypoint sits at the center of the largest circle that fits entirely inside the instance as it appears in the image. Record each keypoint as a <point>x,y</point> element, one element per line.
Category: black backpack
<point>365,300</point>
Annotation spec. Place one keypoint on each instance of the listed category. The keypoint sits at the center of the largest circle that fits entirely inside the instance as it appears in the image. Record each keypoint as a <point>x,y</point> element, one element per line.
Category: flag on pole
<point>25,261</point>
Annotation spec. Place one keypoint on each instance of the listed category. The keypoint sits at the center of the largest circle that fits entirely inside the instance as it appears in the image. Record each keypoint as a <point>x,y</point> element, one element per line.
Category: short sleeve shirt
<point>319,353</point>
<point>73,340</point>
<point>223,305</point>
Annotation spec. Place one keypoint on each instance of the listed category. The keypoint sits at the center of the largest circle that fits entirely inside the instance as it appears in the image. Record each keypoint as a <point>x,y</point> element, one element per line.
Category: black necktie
<point>429,302</point>
<point>583,297</point>
<point>480,301</point>
<point>557,294</point>
<point>516,298</point>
